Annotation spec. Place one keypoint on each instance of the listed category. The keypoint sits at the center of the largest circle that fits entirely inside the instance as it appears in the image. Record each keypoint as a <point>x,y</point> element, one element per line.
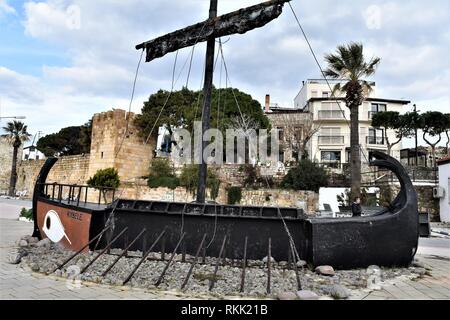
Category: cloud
<point>97,39</point>
<point>5,7</point>
<point>18,87</point>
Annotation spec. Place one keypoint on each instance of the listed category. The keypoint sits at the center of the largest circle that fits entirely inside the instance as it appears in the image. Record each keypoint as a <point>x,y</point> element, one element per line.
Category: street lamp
<point>18,117</point>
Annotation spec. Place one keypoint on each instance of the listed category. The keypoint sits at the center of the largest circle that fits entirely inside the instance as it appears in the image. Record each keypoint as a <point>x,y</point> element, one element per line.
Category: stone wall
<point>426,202</point>
<point>307,200</point>
<point>113,145</point>
<point>6,154</point>
<point>67,170</point>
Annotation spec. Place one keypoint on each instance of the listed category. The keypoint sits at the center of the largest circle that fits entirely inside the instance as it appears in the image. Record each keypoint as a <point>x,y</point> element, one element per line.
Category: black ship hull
<point>388,238</point>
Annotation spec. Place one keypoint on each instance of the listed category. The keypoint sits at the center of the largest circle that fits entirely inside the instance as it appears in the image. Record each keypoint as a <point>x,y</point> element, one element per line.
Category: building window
<point>281,156</point>
<point>376,136</point>
<point>101,155</point>
<point>377,107</point>
<point>325,94</point>
<point>280,134</point>
<point>331,135</point>
<point>314,94</point>
<point>330,156</point>
<point>330,110</point>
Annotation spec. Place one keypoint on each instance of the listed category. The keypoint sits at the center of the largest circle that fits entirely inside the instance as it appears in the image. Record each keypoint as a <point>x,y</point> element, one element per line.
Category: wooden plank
<point>239,21</point>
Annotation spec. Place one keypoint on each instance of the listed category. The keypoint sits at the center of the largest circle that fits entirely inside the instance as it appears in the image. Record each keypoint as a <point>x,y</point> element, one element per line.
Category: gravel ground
<point>43,257</point>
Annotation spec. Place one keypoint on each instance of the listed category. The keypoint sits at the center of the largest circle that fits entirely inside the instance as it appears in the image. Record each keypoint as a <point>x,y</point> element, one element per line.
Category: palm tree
<point>16,134</point>
<point>349,65</point>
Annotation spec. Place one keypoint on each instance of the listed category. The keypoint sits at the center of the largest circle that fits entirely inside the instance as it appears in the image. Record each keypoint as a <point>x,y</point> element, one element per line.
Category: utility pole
<point>207,87</point>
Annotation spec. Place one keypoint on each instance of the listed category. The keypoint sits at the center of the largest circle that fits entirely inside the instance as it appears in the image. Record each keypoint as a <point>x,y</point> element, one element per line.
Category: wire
<point>232,90</point>
<point>131,102</point>
<point>323,74</point>
<point>173,85</point>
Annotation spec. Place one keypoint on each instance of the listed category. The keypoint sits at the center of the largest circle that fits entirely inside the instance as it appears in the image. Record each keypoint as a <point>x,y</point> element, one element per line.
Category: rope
<point>165,103</point>
<point>232,90</point>
<point>174,83</point>
<point>131,102</point>
<point>291,240</point>
<point>190,66</point>
<point>323,75</point>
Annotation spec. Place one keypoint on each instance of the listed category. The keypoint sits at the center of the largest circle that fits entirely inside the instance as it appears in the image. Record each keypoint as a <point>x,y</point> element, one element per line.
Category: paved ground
<point>16,283</point>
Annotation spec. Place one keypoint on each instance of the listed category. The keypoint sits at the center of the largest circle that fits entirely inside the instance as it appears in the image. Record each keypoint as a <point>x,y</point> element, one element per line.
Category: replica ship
<point>388,238</point>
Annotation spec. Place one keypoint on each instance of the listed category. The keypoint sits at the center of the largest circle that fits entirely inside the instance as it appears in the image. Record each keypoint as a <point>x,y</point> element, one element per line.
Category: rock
<point>287,296</point>
<point>14,257</point>
<point>266,258</point>
<point>307,295</point>
<point>325,270</point>
<point>44,243</point>
<point>34,267</point>
<point>23,243</point>
<point>33,240</point>
<point>339,292</point>
<point>419,271</point>
<point>301,263</point>
<point>373,269</point>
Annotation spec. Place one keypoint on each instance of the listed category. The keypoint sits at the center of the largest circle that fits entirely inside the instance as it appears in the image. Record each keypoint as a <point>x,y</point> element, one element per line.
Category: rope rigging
<point>323,74</point>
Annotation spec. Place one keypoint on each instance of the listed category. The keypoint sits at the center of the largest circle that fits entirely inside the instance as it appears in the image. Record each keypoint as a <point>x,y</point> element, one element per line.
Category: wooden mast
<point>206,114</point>
<point>239,21</point>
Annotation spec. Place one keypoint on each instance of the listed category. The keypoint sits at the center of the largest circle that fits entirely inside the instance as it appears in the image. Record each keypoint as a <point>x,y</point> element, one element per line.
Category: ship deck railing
<point>78,195</point>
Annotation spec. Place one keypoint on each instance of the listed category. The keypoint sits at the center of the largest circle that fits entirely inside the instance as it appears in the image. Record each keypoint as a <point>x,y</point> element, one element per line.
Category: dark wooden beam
<point>239,21</point>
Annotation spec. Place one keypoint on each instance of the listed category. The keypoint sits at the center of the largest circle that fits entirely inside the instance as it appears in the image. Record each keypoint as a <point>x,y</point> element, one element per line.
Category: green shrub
<point>305,176</point>
<point>26,213</point>
<point>105,178</point>
<point>189,180</point>
<point>161,168</point>
<point>234,195</point>
<point>162,175</point>
<point>168,182</point>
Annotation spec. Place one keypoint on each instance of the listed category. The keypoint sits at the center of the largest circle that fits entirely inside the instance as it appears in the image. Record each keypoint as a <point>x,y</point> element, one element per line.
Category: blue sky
<point>63,60</point>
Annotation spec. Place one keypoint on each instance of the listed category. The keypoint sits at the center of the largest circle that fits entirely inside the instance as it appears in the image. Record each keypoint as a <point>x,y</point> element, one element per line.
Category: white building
<point>32,153</point>
<point>443,190</point>
<point>331,145</point>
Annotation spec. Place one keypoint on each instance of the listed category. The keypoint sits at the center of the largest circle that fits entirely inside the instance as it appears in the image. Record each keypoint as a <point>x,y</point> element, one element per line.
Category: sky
<point>61,61</point>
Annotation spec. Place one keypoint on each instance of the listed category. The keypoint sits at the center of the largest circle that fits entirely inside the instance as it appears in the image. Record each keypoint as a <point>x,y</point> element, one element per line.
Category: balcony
<point>375,140</point>
<point>331,140</point>
<point>330,114</point>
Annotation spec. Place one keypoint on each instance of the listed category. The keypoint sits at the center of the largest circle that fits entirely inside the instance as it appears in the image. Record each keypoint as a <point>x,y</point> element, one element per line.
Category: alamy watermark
<point>241,146</point>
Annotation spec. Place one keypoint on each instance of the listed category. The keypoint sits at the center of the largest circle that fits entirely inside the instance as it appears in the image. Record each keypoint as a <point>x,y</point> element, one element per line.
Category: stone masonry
<point>6,154</point>
<point>110,146</point>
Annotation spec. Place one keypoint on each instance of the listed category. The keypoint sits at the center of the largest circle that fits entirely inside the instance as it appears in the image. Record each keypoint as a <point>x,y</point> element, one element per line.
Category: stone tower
<point>108,130</point>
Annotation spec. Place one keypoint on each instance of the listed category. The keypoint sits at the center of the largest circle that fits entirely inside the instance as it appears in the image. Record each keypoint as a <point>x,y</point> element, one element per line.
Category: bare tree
<point>298,132</point>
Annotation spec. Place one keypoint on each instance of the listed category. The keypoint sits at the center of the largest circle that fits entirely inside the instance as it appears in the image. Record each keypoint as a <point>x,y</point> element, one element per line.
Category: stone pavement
<point>16,283</point>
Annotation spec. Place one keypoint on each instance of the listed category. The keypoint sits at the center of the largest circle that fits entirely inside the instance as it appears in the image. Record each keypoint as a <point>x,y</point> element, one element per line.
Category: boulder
<point>339,292</point>
<point>307,295</point>
<point>301,263</point>
<point>373,269</point>
<point>44,243</point>
<point>325,270</point>
<point>287,296</point>
<point>14,257</point>
<point>23,243</point>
